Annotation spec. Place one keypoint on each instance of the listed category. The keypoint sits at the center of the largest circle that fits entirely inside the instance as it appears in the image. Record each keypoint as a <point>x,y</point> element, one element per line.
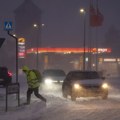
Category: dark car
<point>53,76</point>
<point>5,76</point>
<point>84,84</point>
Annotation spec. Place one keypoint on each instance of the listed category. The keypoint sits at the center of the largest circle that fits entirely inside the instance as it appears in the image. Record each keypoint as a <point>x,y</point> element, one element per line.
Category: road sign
<point>13,88</point>
<point>21,47</point>
<point>8,25</point>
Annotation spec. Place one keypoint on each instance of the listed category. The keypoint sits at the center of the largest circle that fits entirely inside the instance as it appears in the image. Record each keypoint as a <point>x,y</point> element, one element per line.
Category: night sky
<point>63,22</point>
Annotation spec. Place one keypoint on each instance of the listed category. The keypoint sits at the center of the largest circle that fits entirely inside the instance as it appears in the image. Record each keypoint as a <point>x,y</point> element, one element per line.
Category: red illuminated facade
<point>68,50</point>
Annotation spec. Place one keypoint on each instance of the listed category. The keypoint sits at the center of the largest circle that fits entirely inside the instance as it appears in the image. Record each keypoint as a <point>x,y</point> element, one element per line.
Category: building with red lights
<point>72,59</point>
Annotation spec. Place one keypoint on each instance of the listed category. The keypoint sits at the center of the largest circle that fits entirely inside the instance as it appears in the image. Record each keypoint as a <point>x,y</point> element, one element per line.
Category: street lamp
<point>38,41</point>
<point>37,27</point>
<point>82,11</point>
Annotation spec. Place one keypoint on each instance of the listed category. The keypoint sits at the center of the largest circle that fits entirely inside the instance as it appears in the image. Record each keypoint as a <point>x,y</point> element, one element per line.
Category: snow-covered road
<point>59,108</point>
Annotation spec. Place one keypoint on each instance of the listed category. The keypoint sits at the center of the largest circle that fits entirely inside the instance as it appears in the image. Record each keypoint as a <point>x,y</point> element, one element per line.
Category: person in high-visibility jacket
<point>33,84</point>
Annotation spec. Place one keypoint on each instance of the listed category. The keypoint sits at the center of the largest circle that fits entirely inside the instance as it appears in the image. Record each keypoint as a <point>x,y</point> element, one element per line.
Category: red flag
<point>92,16</point>
<point>96,18</point>
<point>92,10</point>
<point>100,18</point>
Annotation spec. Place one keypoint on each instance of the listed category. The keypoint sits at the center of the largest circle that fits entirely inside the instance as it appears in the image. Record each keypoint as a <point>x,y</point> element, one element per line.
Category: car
<point>84,84</point>
<point>53,76</point>
<point>5,76</point>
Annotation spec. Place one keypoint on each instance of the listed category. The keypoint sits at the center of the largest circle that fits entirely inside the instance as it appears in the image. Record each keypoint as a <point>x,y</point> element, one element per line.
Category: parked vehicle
<point>84,84</point>
<point>5,76</point>
<point>53,76</point>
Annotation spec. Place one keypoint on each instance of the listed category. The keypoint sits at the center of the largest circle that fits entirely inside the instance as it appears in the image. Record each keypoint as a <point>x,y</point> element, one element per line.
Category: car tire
<point>105,96</point>
<point>65,92</point>
<point>73,97</point>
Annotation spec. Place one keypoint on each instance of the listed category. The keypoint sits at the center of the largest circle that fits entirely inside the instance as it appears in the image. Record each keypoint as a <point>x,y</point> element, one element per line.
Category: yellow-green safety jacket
<point>32,80</point>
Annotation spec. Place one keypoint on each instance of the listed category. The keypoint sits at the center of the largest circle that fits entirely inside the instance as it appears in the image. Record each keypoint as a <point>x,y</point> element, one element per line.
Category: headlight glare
<point>105,86</point>
<point>77,86</point>
<point>48,81</point>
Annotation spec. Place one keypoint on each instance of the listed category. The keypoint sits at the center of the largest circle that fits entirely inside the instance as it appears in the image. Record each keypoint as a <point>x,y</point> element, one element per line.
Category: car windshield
<point>53,73</point>
<point>83,75</point>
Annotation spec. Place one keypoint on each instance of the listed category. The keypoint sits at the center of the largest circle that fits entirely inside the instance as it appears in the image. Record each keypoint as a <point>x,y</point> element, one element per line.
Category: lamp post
<point>36,26</point>
<point>82,11</point>
<point>38,41</point>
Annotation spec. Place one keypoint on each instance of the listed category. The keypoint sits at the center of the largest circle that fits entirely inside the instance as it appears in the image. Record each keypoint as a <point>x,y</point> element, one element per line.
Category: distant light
<point>93,65</point>
<point>14,35</point>
<point>82,10</point>
<point>109,60</point>
<point>43,25</point>
<point>118,60</point>
<point>86,59</point>
<point>35,25</point>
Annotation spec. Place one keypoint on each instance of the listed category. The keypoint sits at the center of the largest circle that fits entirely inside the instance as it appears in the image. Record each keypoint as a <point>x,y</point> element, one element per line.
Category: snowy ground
<point>58,108</point>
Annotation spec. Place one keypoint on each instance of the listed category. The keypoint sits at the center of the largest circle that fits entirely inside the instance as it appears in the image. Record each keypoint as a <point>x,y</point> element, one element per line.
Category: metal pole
<point>37,32</point>
<point>37,56</point>
<point>16,55</point>
<point>96,49</point>
<point>37,44</point>
<point>84,42</point>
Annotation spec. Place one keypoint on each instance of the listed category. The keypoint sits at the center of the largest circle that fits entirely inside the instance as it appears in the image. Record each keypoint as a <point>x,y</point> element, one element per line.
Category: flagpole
<point>90,40</point>
<point>97,40</point>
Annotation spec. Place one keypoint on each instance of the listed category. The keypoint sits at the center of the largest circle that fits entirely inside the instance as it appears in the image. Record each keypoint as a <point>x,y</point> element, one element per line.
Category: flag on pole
<point>100,18</point>
<point>92,16</point>
<point>96,17</point>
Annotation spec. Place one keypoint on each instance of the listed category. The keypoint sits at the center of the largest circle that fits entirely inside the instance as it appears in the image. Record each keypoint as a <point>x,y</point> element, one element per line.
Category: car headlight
<point>61,81</point>
<point>104,85</point>
<point>77,86</point>
<point>48,81</point>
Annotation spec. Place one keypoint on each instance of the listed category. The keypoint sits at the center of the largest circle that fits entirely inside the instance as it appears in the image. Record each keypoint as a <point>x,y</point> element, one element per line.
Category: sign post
<point>14,87</point>
<point>8,28</point>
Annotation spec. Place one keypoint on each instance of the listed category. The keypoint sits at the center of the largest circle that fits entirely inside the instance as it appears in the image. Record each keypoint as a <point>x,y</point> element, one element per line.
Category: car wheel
<point>105,96</point>
<point>73,97</point>
<point>65,92</point>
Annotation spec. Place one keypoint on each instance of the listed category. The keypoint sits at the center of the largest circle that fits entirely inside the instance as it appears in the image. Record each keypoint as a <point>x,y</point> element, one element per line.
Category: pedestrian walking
<point>33,84</point>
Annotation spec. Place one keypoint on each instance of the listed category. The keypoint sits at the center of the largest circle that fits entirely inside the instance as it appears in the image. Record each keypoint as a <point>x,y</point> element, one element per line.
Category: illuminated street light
<point>82,11</point>
<point>35,25</point>
<point>37,44</point>
<point>14,35</point>
<point>38,40</point>
<point>43,25</point>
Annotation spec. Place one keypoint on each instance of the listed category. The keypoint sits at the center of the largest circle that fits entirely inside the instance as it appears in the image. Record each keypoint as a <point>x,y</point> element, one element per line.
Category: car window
<point>83,75</point>
<point>54,73</point>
